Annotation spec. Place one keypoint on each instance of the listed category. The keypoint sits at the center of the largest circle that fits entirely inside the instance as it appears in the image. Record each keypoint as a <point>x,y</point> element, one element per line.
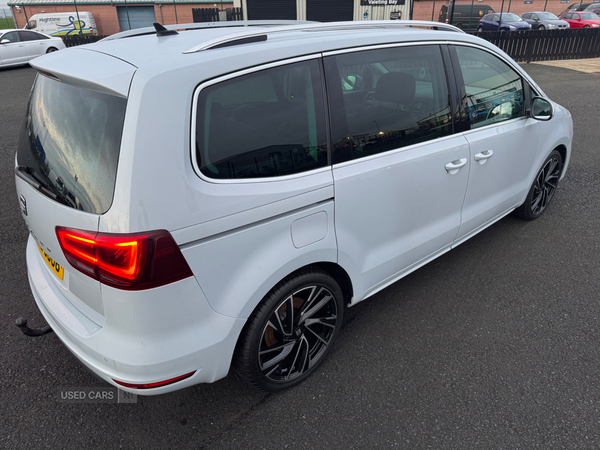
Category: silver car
<point>543,20</point>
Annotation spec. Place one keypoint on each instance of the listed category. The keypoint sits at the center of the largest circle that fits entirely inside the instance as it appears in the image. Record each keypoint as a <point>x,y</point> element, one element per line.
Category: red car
<point>582,19</point>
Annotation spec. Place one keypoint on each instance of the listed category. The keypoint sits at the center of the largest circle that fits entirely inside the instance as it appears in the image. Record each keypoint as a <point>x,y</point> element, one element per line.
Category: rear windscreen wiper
<point>28,175</point>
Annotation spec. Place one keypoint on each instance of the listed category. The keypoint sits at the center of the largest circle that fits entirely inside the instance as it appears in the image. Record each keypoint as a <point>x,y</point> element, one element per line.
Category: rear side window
<point>70,143</point>
<point>492,91</point>
<point>264,124</point>
<point>386,99</point>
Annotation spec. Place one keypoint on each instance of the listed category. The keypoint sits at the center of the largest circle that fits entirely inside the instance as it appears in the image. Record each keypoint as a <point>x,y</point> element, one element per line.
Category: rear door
<point>503,141</point>
<point>35,44</point>
<point>400,174</point>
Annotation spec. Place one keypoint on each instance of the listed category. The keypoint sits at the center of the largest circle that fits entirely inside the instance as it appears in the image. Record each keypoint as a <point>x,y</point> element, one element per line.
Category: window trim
<point>239,73</point>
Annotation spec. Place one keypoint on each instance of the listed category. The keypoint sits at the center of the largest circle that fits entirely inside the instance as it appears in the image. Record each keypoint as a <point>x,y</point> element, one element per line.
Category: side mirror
<point>4,41</point>
<point>541,109</point>
<point>351,82</point>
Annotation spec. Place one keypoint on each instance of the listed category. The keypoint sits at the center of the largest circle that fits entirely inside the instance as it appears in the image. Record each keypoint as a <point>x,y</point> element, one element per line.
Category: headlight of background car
<point>595,25</point>
<point>510,27</point>
<point>551,26</point>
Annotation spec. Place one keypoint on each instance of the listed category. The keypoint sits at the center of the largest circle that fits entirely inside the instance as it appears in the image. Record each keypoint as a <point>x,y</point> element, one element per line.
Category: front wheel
<point>291,331</point>
<point>543,188</point>
<point>541,28</point>
<point>586,26</point>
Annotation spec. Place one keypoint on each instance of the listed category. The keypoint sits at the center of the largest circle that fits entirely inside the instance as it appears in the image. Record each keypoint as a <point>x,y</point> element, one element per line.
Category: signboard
<point>381,2</point>
<point>528,2</point>
<point>565,1</point>
<point>395,15</point>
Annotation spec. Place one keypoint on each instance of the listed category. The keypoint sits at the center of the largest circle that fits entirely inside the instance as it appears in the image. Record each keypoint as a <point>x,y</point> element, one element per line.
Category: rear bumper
<point>147,336</point>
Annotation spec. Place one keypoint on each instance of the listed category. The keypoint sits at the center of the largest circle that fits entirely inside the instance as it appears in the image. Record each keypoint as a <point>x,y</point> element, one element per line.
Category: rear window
<point>70,143</point>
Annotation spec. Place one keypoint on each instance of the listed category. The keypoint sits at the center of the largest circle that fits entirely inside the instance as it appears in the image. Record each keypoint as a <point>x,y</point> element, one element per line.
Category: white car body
<point>15,52</point>
<point>368,221</point>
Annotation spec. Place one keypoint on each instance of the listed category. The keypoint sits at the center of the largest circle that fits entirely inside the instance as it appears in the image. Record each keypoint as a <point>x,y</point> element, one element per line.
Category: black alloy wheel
<point>291,331</point>
<point>543,188</point>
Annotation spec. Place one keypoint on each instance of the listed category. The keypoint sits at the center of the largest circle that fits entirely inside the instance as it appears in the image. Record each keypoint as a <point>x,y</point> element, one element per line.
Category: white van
<point>63,24</point>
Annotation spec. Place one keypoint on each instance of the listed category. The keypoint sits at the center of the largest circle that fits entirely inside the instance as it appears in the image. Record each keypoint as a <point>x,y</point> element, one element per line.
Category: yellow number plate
<point>56,268</point>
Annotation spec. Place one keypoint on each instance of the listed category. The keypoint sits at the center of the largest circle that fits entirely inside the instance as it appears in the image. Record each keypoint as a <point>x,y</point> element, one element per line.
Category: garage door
<point>330,10</point>
<point>139,17</point>
<point>271,9</point>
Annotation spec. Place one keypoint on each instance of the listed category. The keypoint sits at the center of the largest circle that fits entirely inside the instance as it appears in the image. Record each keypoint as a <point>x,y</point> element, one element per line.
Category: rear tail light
<point>125,261</point>
<point>155,385</point>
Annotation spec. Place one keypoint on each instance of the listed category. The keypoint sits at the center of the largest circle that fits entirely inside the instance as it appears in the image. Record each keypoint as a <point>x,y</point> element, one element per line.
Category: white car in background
<point>20,46</point>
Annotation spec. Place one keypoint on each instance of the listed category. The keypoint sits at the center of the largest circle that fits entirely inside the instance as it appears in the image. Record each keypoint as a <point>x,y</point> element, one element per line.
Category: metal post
<point>509,2</point>
<point>25,12</point>
<point>501,9</point>
<point>545,5</point>
<point>175,6</point>
<point>412,4</point>
<point>432,11</point>
<point>452,12</point>
<point>127,11</point>
<point>77,12</point>
<point>471,15</point>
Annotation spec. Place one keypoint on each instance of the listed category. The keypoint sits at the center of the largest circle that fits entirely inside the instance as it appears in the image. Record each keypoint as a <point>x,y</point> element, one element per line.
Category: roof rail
<point>317,26</point>
<point>204,25</point>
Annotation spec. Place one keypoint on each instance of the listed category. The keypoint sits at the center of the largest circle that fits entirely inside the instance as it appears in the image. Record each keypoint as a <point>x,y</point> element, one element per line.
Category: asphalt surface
<point>493,345</point>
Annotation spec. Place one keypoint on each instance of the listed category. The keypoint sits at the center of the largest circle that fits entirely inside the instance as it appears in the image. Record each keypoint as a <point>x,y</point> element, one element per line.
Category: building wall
<point>106,17</point>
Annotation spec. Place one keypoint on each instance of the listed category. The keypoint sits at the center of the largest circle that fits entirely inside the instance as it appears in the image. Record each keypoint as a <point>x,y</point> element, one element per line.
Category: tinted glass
<point>29,36</point>
<point>589,16</point>
<point>264,124</point>
<point>12,36</point>
<point>70,142</point>
<point>402,100</point>
<point>493,92</point>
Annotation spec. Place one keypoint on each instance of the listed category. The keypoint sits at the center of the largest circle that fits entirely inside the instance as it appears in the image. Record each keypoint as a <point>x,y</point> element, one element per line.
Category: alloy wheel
<point>297,333</point>
<point>545,185</point>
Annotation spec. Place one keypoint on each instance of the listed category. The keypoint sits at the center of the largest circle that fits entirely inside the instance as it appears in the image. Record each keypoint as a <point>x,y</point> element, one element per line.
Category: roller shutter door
<point>329,10</point>
<point>139,17</point>
<point>271,9</point>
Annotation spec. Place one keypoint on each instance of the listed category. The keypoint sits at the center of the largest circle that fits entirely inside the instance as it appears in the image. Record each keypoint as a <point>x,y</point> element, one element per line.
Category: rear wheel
<point>543,188</point>
<point>480,29</point>
<point>291,332</point>
<point>51,49</point>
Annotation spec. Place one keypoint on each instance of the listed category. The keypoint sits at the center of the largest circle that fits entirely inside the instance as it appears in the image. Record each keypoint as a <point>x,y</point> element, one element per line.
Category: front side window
<point>493,92</point>
<point>12,36</point>
<point>264,124</point>
<point>399,97</point>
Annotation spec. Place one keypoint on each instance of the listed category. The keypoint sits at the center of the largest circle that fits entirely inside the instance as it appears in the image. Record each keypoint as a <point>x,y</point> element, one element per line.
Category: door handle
<point>484,156</point>
<point>454,166</point>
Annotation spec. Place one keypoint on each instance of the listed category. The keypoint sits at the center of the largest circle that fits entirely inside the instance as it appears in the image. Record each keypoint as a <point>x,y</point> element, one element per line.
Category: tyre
<point>291,331</point>
<point>543,188</point>
<point>480,29</point>
<point>51,49</point>
<point>541,27</point>
<point>586,26</point>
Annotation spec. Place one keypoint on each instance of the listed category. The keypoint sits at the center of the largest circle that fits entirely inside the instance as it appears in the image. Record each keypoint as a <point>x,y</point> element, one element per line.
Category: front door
<point>502,139</point>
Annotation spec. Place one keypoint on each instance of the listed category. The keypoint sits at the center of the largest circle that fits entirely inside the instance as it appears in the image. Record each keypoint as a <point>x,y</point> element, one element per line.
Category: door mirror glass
<point>351,82</point>
<point>541,109</point>
<point>4,41</point>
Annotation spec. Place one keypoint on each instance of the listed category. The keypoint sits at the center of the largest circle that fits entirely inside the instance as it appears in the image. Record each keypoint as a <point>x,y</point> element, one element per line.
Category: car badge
<point>23,204</point>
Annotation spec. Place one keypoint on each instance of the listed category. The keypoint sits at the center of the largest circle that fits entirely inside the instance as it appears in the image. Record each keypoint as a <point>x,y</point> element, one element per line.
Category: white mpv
<point>218,195</point>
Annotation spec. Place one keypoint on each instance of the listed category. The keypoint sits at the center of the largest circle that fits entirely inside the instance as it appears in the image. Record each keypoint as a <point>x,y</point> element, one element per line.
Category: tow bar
<point>33,332</point>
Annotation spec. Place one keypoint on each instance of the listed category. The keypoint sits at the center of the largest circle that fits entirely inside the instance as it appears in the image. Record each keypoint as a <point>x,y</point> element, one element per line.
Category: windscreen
<point>70,143</point>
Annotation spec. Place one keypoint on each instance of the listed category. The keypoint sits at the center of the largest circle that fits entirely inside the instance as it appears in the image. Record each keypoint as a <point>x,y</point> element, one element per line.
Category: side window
<point>534,16</point>
<point>12,36</point>
<point>493,92</point>
<point>402,99</point>
<point>264,124</point>
<point>29,36</point>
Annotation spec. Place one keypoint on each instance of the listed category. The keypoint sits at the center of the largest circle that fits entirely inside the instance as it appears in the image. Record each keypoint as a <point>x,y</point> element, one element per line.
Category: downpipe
<point>32,332</point>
